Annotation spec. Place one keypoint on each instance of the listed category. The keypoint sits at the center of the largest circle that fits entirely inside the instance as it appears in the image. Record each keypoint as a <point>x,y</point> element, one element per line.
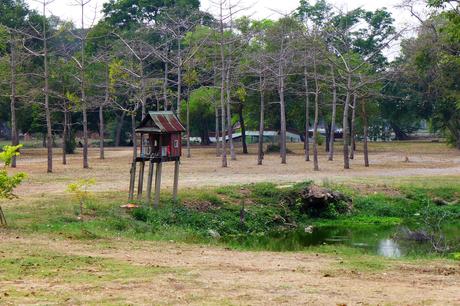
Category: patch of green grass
<point>201,212</point>
<point>50,276</point>
<point>360,221</point>
<point>43,264</point>
<point>354,259</point>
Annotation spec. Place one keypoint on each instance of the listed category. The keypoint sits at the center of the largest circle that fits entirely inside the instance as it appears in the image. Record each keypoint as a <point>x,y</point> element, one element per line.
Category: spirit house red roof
<point>160,122</point>
<point>158,140</point>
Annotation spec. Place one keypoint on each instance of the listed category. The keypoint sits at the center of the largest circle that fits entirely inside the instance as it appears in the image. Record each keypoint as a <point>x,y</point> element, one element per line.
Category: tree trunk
<point>85,138</point>
<point>217,131</point>
<point>260,153</point>
<point>229,117</point>
<point>49,131</point>
<point>328,136</point>
<point>352,128</point>
<point>366,133</point>
<point>282,116</point>
<point>101,113</point>
<point>204,135</point>
<point>346,109</point>
<point>222,87</point>
<point>101,132</point>
<point>307,117</point>
<point>119,129</point>
<point>133,137</point>
<point>64,136</point>
<point>399,133</point>
<point>143,95</point>
<point>14,129</point>
<point>333,118</point>
<point>165,87</point>
<point>243,128</point>
<point>222,105</point>
<point>188,124</point>
<point>83,91</point>
<point>315,123</point>
<point>216,108</point>
<point>179,78</point>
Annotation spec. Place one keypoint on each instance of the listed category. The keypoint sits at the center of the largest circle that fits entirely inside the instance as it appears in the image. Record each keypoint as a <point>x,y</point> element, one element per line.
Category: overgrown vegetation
<point>255,216</point>
<point>81,193</point>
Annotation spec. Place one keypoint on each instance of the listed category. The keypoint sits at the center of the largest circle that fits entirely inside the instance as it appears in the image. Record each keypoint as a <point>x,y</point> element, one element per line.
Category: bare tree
<point>365,133</point>
<point>13,97</point>
<point>307,112</point>
<point>42,36</point>
<point>315,122</point>
<point>333,116</point>
<point>174,28</point>
<point>353,127</point>
<point>222,81</point>
<point>222,43</point>
<point>82,4</point>
<point>260,147</point>
<point>141,51</point>
<point>281,37</point>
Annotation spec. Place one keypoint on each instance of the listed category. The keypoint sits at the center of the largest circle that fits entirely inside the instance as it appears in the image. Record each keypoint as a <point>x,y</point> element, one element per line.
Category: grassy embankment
<point>216,215</point>
<point>48,248</point>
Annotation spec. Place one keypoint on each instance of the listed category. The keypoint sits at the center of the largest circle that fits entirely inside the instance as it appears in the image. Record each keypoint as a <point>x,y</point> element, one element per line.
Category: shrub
<point>8,182</point>
<point>319,139</point>
<point>80,190</point>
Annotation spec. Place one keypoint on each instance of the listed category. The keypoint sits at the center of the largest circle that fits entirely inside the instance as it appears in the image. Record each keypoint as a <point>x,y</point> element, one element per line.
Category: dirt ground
<point>388,161</point>
<point>206,275</point>
<point>203,275</point>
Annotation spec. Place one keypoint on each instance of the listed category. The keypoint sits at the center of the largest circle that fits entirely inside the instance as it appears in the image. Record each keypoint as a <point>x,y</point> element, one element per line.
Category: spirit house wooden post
<point>160,140</point>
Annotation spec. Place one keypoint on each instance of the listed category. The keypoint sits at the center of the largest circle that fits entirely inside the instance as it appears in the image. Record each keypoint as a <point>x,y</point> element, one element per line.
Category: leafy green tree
<point>432,70</point>
<point>201,110</point>
<point>12,19</point>
<point>131,13</point>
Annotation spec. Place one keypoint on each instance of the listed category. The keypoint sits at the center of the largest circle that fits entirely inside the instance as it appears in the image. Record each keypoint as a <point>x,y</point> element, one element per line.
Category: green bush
<point>320,139</point>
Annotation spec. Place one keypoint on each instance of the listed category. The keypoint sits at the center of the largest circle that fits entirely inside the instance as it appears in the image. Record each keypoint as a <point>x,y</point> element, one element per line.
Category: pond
<point>387,241</point>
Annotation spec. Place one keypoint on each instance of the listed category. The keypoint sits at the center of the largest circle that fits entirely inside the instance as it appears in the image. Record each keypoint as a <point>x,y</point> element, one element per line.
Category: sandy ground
<point>204,168</point>
<point>216,276</point>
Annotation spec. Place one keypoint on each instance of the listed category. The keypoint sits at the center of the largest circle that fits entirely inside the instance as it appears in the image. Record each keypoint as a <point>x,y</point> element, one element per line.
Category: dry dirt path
<point>198,275</point>
<point>203,169</point>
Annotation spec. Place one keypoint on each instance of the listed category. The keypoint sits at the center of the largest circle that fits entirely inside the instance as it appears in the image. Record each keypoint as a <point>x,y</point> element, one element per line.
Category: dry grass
<point>120,272</point>
<point>203,169</point>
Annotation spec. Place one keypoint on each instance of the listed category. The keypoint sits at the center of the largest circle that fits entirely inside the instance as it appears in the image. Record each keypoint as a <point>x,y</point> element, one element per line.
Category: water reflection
<point>370,239</point>
<point>389,248</point>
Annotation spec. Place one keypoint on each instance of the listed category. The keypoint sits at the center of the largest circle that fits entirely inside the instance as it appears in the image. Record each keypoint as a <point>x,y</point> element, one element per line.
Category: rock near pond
<point>322,202</point>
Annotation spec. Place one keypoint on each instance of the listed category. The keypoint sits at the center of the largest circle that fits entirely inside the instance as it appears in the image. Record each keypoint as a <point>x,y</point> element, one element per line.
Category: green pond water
<point>387,241</point>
